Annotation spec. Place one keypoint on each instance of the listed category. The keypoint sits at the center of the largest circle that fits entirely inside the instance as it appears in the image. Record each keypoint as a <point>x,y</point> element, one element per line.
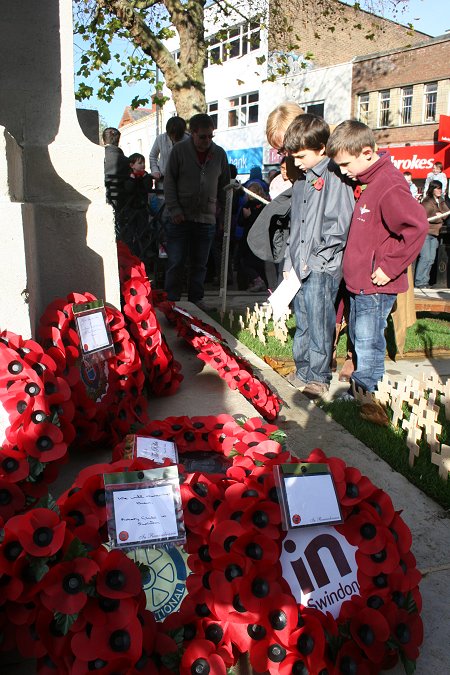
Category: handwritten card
<point>283,294</point>
<point>156,449</point>
<point>307,495</point>
<point>145,514</point>
<point>92,331</point>
<point>144,508</point>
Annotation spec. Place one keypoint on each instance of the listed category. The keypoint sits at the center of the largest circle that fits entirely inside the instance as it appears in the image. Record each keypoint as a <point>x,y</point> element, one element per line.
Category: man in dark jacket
<point>196,174</point>
<point>117,170</point>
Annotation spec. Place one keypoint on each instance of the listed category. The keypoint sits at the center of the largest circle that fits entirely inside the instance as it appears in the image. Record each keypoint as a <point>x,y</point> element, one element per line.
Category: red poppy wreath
<point>107,396</point>
<point>163,372</point>
<point>213,350</point>
<point>36,427</point>
<point>79,608</point>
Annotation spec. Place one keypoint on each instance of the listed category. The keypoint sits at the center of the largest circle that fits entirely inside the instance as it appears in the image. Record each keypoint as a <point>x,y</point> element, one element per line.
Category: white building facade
<point>240,97</point>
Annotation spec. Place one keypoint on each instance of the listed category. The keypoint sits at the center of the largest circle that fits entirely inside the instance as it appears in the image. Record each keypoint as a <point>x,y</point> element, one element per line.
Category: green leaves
<point>64,621</point>
<point>76,550</point>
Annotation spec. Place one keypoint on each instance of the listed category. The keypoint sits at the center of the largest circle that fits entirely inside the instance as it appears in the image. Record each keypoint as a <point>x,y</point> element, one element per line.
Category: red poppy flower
<point>40,532</point>
<point>28,642</point>
<point>370,630</point>
<point>101,610</point>
<point>256,546</point>
<point>351,659</point>
<point>358,487</point>
<point>260,586</point>
<point>201,657</point>
<point>318,183</point>
<point>10,550</point>
<point>401,533</point>
<point>12,499</point>
<point>63,588</point>
<point>406,576</point>
<point>365,530</point>
<point>259,425</point>
<point>118,577</point>
<point>109,642</point>
<point>45,442</point>
<point>406,630</point>
<point>308,641</point>
<point>265,517</point>
<point>56,643</point>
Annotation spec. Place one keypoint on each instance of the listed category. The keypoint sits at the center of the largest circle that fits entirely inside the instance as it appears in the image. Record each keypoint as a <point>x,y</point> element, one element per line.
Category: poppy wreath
<point>36,413</point>
<point>163,372</point>
<point>236,371</point>
<point>238,601</point>
<point>108,397</point>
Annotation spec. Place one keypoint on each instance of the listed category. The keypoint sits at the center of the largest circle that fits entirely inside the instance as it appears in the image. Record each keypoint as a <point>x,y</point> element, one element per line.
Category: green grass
<point>389,444</point>
<point>431,332</point>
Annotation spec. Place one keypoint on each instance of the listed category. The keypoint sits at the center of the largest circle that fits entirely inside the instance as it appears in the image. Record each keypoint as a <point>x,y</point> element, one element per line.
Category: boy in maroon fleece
<point>386,234</point>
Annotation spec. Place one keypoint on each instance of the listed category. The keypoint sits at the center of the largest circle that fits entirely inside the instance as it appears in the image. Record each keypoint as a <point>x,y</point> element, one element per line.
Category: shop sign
<point>419,159</point>
<point>245,158</point>
<point>444,129</point>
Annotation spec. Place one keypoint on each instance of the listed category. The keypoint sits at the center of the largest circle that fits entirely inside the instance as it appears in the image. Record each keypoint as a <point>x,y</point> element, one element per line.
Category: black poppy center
<point>116,580</point>
<point>203,553</point>
<point>305,644</point>
<point>368,531</point>
<point>44,443</point>
<point>98,664</point>
<point>232,572</point>
<point>375,602</point>
<point>108,604</point>
<point>379,557</point>
<point>73,583</point>
<point>366,634</point>
<point>10,464</point>
<point>237,604</point>
<point>43,536</point>
<point>260,587</point>
<point>256,632</point>
<point>12,550</point>
<point>99,497</point>
<point>5,497</point>
<point>352,490</point>
<point>276,653</point>
<point>195,506</point>
<point>403,633</point>
<point>254,551</point>
<point>120,641</point>
<point>201,489</point>
<point>200,667</point>
<point>278,619</point>
<point>15,367</point>
<point>260,519</point>
<point>214,633</point>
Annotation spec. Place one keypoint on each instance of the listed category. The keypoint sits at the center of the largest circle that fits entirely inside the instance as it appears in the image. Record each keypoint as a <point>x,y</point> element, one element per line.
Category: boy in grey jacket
<point>322,207</point>
<point>196,175</point>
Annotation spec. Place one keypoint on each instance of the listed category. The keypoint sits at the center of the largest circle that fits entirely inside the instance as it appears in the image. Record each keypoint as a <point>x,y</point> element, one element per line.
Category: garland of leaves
<point>78,607</point>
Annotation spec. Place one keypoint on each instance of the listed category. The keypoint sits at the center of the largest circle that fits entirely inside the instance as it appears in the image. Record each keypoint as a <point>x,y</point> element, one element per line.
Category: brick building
<point>330,32</point>
<point>402,94</point>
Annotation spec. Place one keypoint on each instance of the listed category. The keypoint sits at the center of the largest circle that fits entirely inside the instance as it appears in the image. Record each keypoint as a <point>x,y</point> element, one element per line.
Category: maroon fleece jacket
<point>387,230</point>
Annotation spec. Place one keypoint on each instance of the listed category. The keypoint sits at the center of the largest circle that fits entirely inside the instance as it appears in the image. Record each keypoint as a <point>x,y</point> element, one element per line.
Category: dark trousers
<point>187,241</point>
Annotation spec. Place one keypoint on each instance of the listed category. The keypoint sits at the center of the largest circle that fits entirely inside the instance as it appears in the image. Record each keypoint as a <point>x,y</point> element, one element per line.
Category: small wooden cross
<point>442,460</point>
<point>397,408</point>
<point>432,431</point>
<point>413,437</point>
<point>241,322</point>
<point>445,391</point>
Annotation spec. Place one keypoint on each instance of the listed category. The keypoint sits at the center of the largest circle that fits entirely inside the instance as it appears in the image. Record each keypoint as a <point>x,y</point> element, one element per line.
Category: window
<point>406,105</point>
<point>213,111</point>
<point>363,108</point>
<point>384,112</point>
<point>430,102</point>
<point>314,108</point>
<point>243,110</point>
<point>233,42</point>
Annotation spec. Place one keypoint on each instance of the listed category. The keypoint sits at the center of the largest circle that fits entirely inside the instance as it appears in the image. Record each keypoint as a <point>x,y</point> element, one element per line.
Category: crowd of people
<point>336,214</point>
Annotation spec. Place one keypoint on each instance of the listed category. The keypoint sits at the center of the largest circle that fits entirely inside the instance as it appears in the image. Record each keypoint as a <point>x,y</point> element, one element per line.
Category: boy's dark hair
<point>111,136</point>
<point>200,121</point>
<point>306,132</point>
<point>439,165</point>
<point>233,170</point>
<point>432,186</point>
<point>135,156</point>
<point>350,136</point>
<point>407,173</point>
<point>176,127</point>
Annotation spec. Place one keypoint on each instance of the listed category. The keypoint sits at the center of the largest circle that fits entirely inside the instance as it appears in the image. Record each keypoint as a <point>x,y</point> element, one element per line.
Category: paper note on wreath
<point>146,514</point>
<point>155,449</point>
<point>282,296</point>
<point>307,495</point>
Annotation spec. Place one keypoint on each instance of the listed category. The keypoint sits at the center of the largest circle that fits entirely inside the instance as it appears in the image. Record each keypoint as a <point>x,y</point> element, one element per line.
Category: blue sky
<point>428,16</point>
